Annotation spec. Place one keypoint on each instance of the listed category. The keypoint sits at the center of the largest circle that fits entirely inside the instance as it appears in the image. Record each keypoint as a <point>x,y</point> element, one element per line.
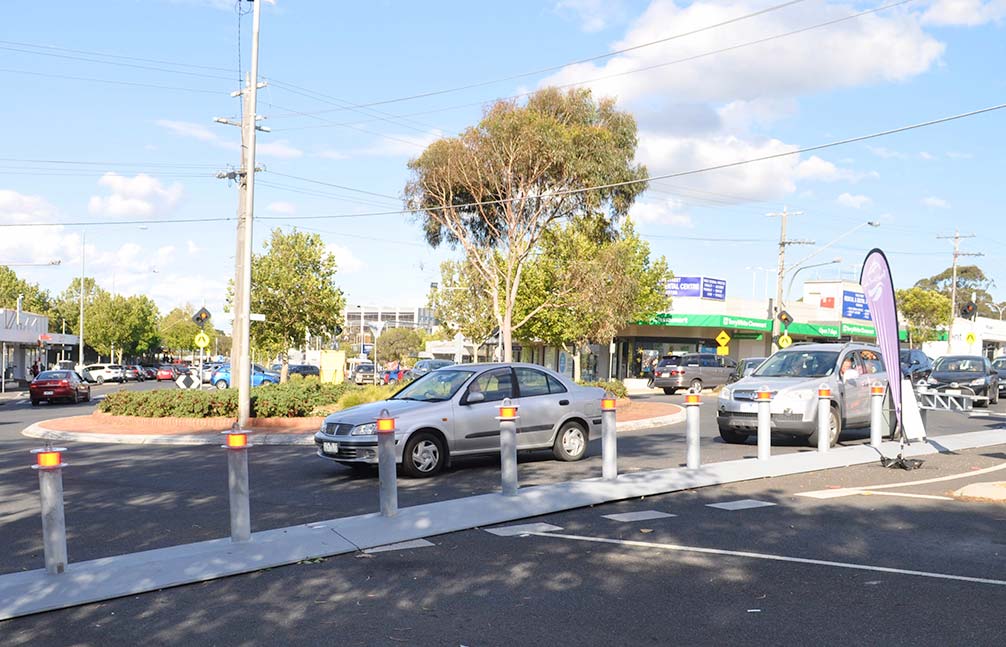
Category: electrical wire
<point>110,81</point>
<point>116,63</point>
<point>122,56</point>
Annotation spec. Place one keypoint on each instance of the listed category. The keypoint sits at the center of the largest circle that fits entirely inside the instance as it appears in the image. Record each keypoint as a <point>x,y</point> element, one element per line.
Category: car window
<point>555,386</point>
<point>53,375</point>
<point>674,360</point>
<point>799,363</point>
<point>707,360</point>
<point>690,360</point>
<point>999,364</point>
<point>495,384</point>
<point>872,362</point>
<point>434,387</point>
<point>960,364</point>
<point>531,382</point>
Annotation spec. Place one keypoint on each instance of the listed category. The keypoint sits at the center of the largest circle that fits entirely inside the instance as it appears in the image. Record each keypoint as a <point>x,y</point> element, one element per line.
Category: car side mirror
<point>850,374</point>
<point>475,397</point>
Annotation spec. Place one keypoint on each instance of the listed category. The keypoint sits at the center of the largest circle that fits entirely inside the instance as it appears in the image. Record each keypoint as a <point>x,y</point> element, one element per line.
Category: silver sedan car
<point>452,412</point>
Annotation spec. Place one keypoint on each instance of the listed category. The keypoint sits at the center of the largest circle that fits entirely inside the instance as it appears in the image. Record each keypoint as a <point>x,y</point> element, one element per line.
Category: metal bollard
<point>876,414</point>
<point>692,455</point>
<point>237,483</point>
<point>823,418</point>
<point>50,465</point>
<point>387,474</point>
<point>508,447</point>
<point>764,399</point>
<point>609,443</point>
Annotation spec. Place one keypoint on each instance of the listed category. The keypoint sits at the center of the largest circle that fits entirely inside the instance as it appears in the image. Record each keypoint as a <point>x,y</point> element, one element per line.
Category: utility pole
<point>781,271</point>
<point>240,360</point>
<point>953,285</point>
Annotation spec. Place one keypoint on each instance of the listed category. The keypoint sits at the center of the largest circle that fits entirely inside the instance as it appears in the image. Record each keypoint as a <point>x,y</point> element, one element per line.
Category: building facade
<point>25,341</point>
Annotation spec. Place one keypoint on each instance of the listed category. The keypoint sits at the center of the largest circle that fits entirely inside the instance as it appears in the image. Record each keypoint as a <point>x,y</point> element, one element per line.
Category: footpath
<point>102,428</point>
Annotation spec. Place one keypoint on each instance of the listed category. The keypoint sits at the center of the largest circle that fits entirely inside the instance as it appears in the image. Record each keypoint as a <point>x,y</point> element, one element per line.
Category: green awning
<point>709,321</point>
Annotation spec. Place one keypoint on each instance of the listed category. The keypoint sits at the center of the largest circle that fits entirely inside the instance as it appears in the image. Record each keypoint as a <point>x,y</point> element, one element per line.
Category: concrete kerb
<point>38,430</point>
<point>35,591</point>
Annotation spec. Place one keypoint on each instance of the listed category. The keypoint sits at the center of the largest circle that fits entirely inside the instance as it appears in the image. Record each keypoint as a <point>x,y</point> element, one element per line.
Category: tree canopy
<point>398,344</point>
<point>970,279</point>
<point>178,331</point>
<point>126,325</point>
<point>924,311</point>
<point>36,300</point>
<point>495,189</point>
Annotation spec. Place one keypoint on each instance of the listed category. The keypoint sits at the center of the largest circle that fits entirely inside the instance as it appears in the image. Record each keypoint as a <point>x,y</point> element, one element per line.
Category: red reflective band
<point>508,413</point>
<point>824,393</point>
<point>877,390</point>
<point>385,424</point>
<point>764,395</point>
<point>608,404</point>
<point>48,459</point>
<point>693,398</point>
<point>237,441</point>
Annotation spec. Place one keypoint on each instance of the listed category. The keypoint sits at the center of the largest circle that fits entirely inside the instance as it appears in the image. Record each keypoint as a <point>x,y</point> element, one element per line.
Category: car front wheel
<point>570,443</point>
<point>221,384</point>
<point>99,380</point>
<point>834,429</point>
<point>733,437</point>
<point>424,455</point>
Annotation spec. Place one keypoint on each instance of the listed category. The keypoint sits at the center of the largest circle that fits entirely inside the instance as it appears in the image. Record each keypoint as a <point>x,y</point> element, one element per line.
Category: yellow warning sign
<point>723,350</point>
<point>202,340</point>
<point>723,338</point>
<point>785,341</point>
<point>970,338</point>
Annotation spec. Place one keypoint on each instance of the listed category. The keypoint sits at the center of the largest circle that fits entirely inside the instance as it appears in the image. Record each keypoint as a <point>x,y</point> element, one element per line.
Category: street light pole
<point>807,267</point>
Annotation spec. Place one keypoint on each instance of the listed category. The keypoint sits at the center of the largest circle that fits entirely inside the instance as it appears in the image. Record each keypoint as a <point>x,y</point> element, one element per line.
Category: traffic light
<point>969,310</point>
<point>201,317</point>
<point>785,318</point>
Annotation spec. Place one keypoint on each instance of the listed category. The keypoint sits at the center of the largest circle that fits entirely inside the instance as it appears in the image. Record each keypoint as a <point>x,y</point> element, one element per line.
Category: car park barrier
<point>823,418</point>
<point>386,473</point>
<point>609,443</point>
<point>692,456</point>
<point>876,414</point>
<point>764,398</point>
<point>237,483</point>
<point>49,463</point>
<point>508,447</point>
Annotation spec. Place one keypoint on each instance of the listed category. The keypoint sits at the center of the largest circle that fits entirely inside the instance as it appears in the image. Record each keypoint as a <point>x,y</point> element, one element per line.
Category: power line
<point>109,81</point>
<point>116,63</point>
<point>122,56</point>
<point>336,186</point>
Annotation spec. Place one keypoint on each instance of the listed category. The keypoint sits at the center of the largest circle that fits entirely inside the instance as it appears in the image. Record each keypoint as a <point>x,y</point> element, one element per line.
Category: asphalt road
<point>797,571</point>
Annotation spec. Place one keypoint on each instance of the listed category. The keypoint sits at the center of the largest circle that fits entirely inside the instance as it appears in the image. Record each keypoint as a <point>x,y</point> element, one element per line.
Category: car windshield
<point>905,356</point>
<point>53,375</point>
<point>959,365</point>
<point>434,387</point>
<point>669,361</point>
<point>799,363</point>
<point>999,364</point>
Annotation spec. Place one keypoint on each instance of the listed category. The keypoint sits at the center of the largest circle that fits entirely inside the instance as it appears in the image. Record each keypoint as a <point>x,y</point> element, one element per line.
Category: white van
<point>100,373</point>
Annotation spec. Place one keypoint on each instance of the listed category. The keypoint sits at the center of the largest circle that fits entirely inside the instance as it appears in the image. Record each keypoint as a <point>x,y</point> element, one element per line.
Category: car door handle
<point>563,403</point>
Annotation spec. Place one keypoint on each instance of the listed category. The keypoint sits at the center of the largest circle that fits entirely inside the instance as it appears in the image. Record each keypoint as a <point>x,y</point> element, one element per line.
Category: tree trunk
<point>284,371</point>
<point>506,337</point>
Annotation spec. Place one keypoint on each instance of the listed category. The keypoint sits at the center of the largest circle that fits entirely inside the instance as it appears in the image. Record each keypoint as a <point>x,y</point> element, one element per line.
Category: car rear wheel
<point>570,443</point>
<point>221,384</point>
<point>424,455</point>
<point>34,403</point>
<point>696,385</point>
<point>99,379</point>
<point>834,426</point>
<point>733,437</point>
<point>669,390</point>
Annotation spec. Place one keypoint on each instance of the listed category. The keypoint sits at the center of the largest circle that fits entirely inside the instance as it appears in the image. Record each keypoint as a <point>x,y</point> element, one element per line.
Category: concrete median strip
<point>988,492</point>
<point>34,591</point>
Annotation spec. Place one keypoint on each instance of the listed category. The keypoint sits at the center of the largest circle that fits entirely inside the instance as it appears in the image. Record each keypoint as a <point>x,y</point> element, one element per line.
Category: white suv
<point>104,373</point>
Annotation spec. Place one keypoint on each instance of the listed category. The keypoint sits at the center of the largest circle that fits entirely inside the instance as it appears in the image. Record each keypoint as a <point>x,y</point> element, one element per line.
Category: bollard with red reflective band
<point>823,418</point>
<point>609,443</point>
<point>692,455</point>
<point>508,447</point>
<point>49,463</point>
<point>876,414</point>
<point>386,464</point>
<point>764,398</point>
<point>236,444</point>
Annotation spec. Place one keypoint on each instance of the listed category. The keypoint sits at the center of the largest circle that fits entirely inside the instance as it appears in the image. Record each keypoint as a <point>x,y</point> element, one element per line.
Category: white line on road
<point>776,558</point>
<point>852,491</point>
<point>908,495</point>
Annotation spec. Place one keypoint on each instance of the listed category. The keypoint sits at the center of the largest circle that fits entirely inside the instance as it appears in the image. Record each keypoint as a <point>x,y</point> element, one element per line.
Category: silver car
<point>452,412</point>
<point>694,371</point>
<point>793,377</point>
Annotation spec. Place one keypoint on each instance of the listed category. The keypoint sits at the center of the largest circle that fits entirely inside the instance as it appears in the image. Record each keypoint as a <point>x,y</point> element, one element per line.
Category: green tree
<point>293,285</point>
<point>398,344</point>
<point>925,311</point>
<point>462,304</point>
<point>495,189</point>
<point>120,326</point>
<point>66,306</point>
<point>970,280</point>
<point>36,300</point>
<point>178,332</point>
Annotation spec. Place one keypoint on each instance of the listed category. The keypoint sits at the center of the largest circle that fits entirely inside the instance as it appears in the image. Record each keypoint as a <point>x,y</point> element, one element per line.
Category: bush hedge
<point>616,387</point>
<point>291,400</point>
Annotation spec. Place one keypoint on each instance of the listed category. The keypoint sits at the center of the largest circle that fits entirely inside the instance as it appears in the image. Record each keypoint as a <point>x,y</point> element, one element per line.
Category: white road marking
<point>852,491</point>
<point>522,529</point>
<point>642,515</point>
<point>742,504</point>
<point>908,495</point>
<point>402,545</point>
<point>776,558</point>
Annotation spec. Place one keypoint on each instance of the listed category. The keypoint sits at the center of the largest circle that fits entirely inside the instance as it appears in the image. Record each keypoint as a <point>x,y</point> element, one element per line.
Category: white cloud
<point>330,154</point>
<point>926,156</point>
<point>141,196</point>
<point>815,168</point>
<point>280,148</point>
<point>853,201</point>
<point>191,130</point>
<point>285,208</point>
<point>594,15</point>
<point>964,13</point>
<point>398,145</point>
<point>887,153</point>
<point>669,211</point>
<point>193,248</point>
<point>935,203</point>
<point>33,244</point>
<point>347,262</point>
<point>956,155</point>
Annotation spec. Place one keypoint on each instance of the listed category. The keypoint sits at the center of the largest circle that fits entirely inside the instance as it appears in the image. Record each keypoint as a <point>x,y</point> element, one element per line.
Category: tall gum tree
<point>496,188</point>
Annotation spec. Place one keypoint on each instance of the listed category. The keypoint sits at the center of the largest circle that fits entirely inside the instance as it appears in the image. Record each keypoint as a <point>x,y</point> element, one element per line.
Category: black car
<point>424,366</point>
<point>915,365</point>
<point>972,372</point>
<point>744,368</point>
<point>999,364</point>
<point>299,369</point>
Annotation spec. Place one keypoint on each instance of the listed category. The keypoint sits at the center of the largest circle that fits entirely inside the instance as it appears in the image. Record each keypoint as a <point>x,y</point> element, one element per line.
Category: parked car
<point>149,372</point>
<point>208,369</point>
<point>130,372</point>
<point>999,364</point>
<point>744,368</point>
<point>101,373</point>
<point>393,376</point>
<point>915,364</point>
<point>364,373</point>
<point>793,376</point>
<point>424,366</point>
<point>222,376</point>
<point>694,371</point>
<point>298,369</point>
<point>167,372</point>
<point>452,412</point>
<point>50,386</point>
<point>972,372</point>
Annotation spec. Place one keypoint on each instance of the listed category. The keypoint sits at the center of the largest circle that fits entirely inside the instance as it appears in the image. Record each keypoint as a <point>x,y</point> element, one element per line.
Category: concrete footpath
<point>36,591</point>
<point>102,428</point>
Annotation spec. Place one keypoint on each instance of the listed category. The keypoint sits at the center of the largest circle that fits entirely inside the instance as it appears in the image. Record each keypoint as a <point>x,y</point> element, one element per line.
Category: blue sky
<point>125,126</point>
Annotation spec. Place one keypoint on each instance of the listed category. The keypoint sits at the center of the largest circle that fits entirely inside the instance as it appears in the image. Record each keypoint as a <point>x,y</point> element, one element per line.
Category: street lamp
<point>754,269</point>
<point>807,267</point>
<point>998,309</point>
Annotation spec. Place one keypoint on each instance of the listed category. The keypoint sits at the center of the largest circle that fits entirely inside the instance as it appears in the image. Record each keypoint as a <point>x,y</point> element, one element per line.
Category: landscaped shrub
<point>367,394</point>
<point>615,387</point>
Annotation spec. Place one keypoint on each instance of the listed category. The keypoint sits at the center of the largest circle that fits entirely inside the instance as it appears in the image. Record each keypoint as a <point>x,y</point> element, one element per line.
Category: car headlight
<point>978,381</point>
<point>726,394</point>
<point>367,429</point>
<point>932,380</point>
